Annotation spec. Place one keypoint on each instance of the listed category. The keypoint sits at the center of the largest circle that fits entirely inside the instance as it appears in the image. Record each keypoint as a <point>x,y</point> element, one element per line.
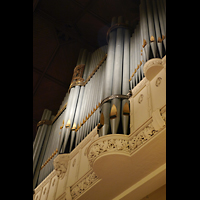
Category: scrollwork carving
<point>124,144</point>
<point>83,185</point>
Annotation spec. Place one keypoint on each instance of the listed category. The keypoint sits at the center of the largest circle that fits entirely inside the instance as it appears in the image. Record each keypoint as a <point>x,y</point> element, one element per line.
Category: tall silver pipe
<point>146,41</point>
<point>108,78</point>
<point>83,104</point>
<point>117,79</point>
<point>157,27</point>
<point>125,79</point>
<point>162,20</point>
<point>41,137</point>
<point>39,163</point>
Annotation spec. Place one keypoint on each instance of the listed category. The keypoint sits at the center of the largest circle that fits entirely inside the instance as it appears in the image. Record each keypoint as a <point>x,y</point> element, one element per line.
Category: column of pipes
<point>53,143</point>
<point>148,39</point>
<point>37,145</point>
<point>75,92</point>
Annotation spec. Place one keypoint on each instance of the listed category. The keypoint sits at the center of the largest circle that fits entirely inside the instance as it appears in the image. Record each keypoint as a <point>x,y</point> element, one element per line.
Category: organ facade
<point>108,139</point>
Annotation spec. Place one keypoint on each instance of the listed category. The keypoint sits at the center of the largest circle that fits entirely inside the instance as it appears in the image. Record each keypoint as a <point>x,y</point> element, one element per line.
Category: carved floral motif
<point>83,185</point>
<point>125,144</point>
<point>60,165</point>
<point>158,81</point>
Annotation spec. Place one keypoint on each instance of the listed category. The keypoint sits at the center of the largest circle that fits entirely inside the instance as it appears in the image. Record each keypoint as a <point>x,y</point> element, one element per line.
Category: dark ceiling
<point>60,29</point>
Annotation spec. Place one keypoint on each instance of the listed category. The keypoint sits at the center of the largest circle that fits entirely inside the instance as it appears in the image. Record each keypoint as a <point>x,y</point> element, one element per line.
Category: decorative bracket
<point>60,165</point>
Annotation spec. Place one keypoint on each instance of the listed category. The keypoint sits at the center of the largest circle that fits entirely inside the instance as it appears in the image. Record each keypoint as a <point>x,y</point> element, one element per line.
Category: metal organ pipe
<point>125,80</point>
<point>117,79</point>
<point>42,131</point>
<point>43,149</point>
<point>108,79</point>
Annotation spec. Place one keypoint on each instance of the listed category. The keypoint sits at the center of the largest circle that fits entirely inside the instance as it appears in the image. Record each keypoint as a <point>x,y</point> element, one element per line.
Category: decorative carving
<point>158,119</point>
<point>126,110</point>
<point>74,162</point>
<point>44,191</point>
<point>144,43</point>
<point>152,66</point>
<point>113,112</point>
<point>52,155</point>
<point>60,165</point>
<point>140,99</point>
<point>119,143</point>
<point>83,185</point>
<point>152,39</point>
<point>85,152</point>
<point>48,122</point>
<point>54,180</point>
<point>158,81</point>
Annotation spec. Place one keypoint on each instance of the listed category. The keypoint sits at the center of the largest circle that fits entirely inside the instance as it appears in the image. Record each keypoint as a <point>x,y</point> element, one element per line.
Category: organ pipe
<point>100,87</point>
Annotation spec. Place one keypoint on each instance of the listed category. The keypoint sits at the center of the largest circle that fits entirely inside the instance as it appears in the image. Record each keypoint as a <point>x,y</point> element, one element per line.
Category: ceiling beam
<point>46,68</point>
<point>87,9</point>
<point>51,78</point>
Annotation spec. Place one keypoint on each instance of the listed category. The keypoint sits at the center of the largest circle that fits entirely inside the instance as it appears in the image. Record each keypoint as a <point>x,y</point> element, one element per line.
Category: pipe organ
<point>100,87</point>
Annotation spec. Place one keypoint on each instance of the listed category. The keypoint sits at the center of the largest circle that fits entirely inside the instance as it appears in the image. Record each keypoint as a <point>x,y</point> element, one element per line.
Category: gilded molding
<point>47,122</point>
<point>77,76</point>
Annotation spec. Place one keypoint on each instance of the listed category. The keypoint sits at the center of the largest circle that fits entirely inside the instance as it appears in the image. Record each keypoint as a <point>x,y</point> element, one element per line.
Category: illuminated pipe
<point>75,90</point>
<point>42,132</point>
<point>152,34</point>
<point>78,133</point>
<point>108,76</point>
<point>125,81</point>
<point>39,162</point>
<point>117,79</point>
<point>78,108</point>
<point>157,28</point>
